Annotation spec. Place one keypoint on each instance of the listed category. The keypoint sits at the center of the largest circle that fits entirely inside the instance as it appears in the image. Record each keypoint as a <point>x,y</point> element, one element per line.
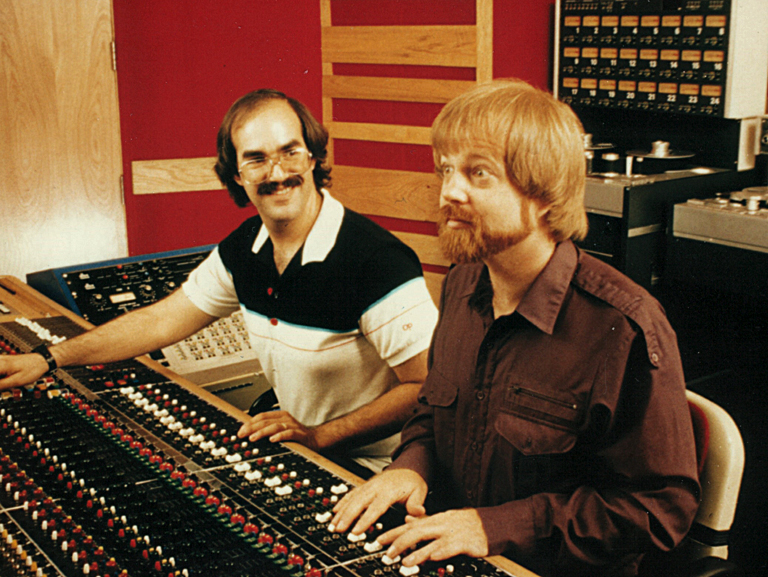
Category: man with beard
<point>336,307</point>
<point>553,425</point>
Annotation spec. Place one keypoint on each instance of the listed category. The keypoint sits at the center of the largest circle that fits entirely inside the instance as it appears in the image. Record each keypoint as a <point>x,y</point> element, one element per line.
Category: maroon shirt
<point>564,423</point>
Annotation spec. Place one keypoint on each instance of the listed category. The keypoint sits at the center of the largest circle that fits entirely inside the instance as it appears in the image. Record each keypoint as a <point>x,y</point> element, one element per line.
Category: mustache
<point>450,211</point>
<point>270,187</point>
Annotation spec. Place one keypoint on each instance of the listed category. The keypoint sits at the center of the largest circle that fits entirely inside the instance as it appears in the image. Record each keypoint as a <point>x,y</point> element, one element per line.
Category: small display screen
<point>122,298</point>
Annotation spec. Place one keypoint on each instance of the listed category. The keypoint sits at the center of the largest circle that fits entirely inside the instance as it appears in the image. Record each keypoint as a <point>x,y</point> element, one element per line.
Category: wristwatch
<point>46,354</point>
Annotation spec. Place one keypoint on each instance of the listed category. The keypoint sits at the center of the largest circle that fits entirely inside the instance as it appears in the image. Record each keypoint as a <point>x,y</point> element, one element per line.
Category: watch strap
<point>46,354</point>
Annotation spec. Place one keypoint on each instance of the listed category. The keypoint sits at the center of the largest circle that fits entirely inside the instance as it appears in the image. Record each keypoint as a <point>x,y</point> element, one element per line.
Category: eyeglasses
<point>292,161</point>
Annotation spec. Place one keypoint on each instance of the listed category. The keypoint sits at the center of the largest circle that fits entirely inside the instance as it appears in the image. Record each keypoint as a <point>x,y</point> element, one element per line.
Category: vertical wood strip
<point>325,20</point>
<point>484,22</point>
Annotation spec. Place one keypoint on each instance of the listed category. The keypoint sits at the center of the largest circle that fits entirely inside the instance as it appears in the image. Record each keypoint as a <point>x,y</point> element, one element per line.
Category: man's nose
<point>276,172</point>
<point>452,191</point>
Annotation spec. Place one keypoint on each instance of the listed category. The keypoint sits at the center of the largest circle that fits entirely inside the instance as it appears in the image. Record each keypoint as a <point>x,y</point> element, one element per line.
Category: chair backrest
<point>720,478</point>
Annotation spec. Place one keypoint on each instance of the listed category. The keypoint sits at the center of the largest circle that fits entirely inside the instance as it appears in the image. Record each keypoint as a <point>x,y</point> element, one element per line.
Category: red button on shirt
<point>273,321</point>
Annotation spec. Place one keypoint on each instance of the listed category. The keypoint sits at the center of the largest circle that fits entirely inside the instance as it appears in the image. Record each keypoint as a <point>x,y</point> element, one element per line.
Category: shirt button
<point>273,321</point>
<point>479,395</point>
<point>474,447</point>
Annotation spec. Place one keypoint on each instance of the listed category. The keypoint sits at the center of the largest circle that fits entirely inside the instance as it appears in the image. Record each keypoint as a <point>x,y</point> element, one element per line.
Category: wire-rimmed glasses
<point>292,161</point>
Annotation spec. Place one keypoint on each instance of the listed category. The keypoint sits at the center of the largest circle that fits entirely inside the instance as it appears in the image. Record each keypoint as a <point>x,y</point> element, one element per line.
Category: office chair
<point>720,454</point>
<point>267,401</point>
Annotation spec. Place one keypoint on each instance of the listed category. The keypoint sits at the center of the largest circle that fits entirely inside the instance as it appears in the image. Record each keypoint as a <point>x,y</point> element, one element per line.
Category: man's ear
<point>542,210</point>
<point>238,180</point>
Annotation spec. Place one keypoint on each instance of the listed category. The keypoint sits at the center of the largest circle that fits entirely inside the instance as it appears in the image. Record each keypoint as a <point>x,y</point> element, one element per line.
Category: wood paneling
<point>399,194</point>
<point>396,89</point>
<point>426,247</point>
<point>484,16</point>
<point>379,132</point>
<point>414,45</point>
<point>325,21</point>
<point>174,175</point>
<point>59,128</point>
<point>390,193</point>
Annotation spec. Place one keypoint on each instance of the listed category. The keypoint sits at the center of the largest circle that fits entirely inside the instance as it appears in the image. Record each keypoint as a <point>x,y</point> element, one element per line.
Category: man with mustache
<point>336,307</point>
<point>553,425</point>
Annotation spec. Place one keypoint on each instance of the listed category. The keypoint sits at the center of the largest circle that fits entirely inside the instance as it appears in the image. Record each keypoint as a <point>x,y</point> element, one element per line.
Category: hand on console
<point>455,532</point>
<point>18,370</point>
<point>372,499</point>
<point>279,426</point>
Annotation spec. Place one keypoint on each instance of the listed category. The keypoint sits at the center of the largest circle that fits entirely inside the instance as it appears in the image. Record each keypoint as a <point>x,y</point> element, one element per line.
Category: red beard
<point>474,243</point>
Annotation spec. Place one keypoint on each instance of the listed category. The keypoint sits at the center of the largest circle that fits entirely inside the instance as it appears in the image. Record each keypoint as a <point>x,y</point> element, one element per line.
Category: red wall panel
<point>523,39</point>
<point>181,65</point>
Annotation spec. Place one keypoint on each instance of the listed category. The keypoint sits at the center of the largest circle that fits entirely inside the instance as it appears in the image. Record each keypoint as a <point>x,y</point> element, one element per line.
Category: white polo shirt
<point>351,305</point>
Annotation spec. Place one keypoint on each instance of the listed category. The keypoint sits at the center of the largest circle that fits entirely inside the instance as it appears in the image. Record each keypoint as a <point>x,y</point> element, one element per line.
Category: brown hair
<point>315,137</point>
<point>539,137</point>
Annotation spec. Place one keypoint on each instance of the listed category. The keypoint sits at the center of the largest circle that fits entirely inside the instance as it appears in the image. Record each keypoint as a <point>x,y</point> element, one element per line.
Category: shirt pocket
<point>537,423</point>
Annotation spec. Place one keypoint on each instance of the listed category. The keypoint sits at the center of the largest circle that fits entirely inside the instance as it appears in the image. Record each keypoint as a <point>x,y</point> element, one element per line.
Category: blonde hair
<point>539,137</point>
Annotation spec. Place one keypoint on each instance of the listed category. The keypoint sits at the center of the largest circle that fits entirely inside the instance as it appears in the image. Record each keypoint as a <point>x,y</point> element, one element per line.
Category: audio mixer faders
<point>117,470</point>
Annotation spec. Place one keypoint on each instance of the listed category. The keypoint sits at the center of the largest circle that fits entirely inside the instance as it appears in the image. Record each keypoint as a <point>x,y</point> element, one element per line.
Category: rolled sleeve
<point>512,527</point>
<point>400,325</point>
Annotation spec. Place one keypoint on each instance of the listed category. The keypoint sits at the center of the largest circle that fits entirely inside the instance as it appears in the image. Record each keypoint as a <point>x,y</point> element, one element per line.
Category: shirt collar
<point>542,303</point>
<point>322,236</point>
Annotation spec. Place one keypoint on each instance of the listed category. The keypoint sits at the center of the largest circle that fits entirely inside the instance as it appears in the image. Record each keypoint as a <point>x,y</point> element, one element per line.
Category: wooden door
<point>60,160</point>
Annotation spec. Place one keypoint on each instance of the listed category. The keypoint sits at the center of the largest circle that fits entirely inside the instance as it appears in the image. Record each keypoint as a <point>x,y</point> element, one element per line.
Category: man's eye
<point>481,175</point>
<point>443,171</point>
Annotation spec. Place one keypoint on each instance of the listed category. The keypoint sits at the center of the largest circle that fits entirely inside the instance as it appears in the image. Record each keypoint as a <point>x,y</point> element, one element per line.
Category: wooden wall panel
<point>397,89</point>
<point>426,246</point>
<point>391,193</point>
<point>408,49</point>
<point>410,45</point>
<point>379,132</point>
<point>174,175</point>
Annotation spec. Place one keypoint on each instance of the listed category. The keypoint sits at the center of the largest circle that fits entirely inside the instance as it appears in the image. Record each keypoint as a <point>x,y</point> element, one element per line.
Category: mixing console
<point>118,470</point>
<point>102,291</point>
